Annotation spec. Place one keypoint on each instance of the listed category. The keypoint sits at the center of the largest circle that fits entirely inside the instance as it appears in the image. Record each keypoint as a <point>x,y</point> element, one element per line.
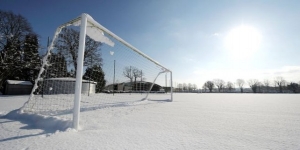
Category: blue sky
<point>187,36</point>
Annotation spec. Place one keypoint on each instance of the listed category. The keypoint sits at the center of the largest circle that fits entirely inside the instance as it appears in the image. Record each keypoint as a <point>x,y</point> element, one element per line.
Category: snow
<point>98,35</point>
<point>62,79</point>
<point>69,79</point>
<point>92,30</point>
<point>19,82</point>
<point>191,121</point>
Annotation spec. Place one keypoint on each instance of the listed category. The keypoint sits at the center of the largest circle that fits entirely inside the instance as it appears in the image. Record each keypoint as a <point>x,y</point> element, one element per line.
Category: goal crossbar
<point>94,23</point>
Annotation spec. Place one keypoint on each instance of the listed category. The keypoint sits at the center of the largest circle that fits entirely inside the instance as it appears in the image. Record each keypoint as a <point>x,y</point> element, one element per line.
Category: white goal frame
<point>83,21</point>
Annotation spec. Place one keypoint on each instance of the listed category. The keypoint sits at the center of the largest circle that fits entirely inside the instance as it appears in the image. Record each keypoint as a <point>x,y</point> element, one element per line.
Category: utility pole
<point>46,69</point>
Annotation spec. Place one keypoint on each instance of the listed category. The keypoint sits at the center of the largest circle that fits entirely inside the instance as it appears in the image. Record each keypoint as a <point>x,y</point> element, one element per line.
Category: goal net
<point>88,67</point>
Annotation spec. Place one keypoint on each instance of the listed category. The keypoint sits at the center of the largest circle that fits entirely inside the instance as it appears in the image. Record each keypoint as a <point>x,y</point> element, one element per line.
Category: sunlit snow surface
<point>61,105</point>
<point>191,121</point>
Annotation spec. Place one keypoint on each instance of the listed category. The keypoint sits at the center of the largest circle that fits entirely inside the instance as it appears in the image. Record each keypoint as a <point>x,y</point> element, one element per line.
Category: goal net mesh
<point>114,73</point>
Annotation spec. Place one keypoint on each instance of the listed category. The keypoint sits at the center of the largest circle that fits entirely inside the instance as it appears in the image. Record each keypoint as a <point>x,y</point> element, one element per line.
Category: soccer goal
<point>88,67</point>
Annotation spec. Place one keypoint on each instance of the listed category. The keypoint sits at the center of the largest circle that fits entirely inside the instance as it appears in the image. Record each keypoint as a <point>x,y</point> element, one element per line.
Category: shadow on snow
<point>34,121</point>
<point>51,124</point>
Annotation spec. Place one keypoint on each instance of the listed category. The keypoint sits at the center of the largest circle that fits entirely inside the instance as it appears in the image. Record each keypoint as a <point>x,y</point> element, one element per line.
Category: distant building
<point>66,86</point>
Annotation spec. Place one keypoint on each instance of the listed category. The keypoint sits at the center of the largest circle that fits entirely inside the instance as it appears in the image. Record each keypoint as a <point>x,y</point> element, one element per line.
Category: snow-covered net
<point>114,73</point>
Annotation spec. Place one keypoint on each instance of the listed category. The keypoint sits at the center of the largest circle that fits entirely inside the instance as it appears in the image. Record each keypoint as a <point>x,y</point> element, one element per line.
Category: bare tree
<point>67,44</point>
<point>127,72</point>
<point>184,86</point>
<point>13,32</point>
<point>267,84</point>
<point>219,83</point>
<point>253,83</point>
<point>180,87</point>
<point>136,73</point>
<point>190,87</point>
<point>13,29</point>
<point>210,85</point>
<point>133,73</point>
<point>280,82</point>
<point>229,86</point>
<point>194,87</point>
<point>240,83</point>
<point>260,87</point>
<point>204,87</point>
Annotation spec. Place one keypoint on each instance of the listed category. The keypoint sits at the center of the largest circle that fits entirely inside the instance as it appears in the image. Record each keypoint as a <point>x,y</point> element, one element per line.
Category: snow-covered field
<point>191,121</point>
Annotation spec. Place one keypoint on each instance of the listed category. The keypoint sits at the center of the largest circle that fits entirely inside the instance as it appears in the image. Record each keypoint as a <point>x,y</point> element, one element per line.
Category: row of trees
<point>20,58</point>
<point>279,84</point>
<point>185,87</point>
<point>19,55</point>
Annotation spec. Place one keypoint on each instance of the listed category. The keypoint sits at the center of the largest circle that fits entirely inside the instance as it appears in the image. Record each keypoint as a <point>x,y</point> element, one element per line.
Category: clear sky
<point>198,40</point>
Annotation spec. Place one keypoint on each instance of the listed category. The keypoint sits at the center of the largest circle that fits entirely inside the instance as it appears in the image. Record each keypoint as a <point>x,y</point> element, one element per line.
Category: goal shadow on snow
<point>51,124</point>
<point>124,104</point>
<point>58,113</point>
<point>33,121</point>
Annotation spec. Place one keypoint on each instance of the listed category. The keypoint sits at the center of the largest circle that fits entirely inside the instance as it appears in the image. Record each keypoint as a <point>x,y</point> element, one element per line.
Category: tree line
<point>20,58</point>
<point>278,85</point>
<point>185,87</point>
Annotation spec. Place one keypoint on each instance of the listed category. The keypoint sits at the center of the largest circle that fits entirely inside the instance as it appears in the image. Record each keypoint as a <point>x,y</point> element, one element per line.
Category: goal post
<point>78,83</point>
<point>99,70</point>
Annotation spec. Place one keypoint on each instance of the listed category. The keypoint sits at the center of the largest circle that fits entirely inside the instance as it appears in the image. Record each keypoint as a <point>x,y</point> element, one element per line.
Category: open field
<point>192,121</point>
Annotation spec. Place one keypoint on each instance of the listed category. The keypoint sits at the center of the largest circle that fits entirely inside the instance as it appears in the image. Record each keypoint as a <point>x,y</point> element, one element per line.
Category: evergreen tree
<point>293,87</point>
<point>13,30</point>
<point>30,58</point>
<point>11,66</point>
<point>95,74</point>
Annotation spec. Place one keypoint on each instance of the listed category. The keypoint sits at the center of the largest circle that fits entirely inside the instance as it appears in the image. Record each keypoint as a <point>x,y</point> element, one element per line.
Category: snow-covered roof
<point>62,79</point>
<point>69,79</point>
<point>18,82</point>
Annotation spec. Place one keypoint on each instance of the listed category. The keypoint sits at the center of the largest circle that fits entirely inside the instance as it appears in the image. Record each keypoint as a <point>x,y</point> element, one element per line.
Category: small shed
<point>67,86</point>
<point>16,87</point>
